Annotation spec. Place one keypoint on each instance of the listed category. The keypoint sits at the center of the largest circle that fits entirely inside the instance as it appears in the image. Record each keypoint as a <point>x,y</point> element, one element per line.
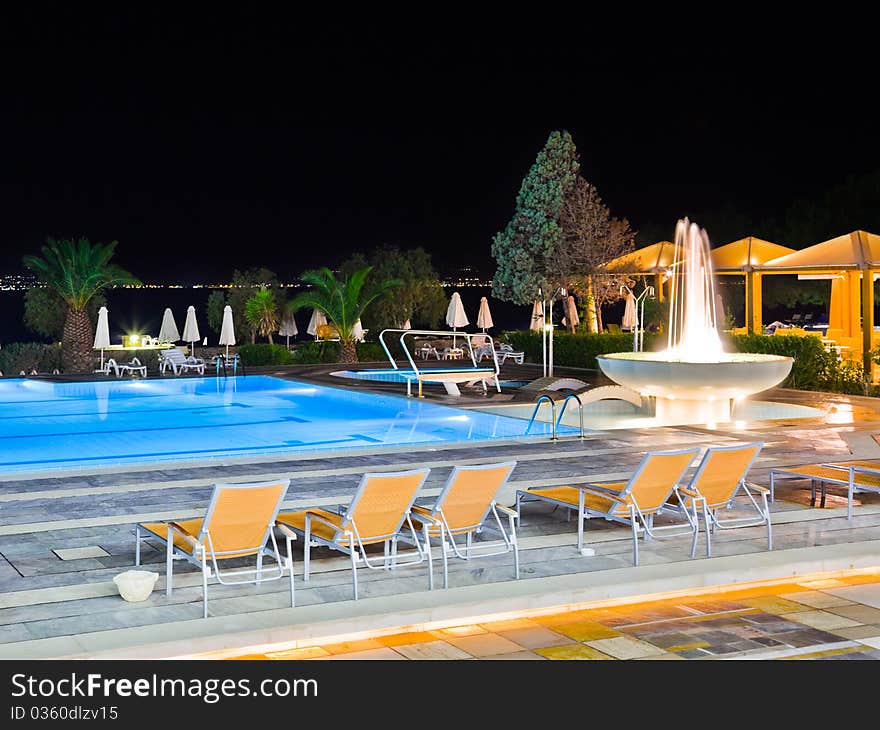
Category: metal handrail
<point>464,335</point>
<point>572,396</point>
<point>540,399</point>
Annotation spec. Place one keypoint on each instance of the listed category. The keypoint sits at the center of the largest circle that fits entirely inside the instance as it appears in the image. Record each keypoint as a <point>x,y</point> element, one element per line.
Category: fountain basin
<point>698,392</point>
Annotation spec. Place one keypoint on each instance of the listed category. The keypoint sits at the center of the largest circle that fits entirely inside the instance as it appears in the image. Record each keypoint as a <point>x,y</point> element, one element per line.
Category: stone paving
<point>830,619</point>
<point>46,592</point>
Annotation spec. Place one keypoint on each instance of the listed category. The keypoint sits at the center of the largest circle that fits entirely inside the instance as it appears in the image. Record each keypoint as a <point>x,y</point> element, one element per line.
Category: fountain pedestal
<point>695,392</point>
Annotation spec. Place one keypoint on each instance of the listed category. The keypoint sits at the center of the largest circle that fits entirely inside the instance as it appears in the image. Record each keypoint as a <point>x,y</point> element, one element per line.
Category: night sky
<point>207,143</point>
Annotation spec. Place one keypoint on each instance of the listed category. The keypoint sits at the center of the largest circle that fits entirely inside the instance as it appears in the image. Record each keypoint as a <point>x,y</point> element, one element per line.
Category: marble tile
<point>516,656</point>
<point>862,614</point>
<point>584,630</point>
<point>820,619</point>
<point>350,646</point>
<point>774,604</point>
<point>459,631</point>
<point>624,647</point>
<point>857,632</point>
<point>415,637</point>
<point>431,650</point>
<point>572,651</point>
<point>872,641</point>
<point>383,653</point>
<point>307,652</point>
<point>484,644</point>
<point>535,637</point>
<point>816,599</point>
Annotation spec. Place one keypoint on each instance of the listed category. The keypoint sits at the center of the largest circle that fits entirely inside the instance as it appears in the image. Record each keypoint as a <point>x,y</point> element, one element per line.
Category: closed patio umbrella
<point>168,332</point>
<point>316,321</point>
<point>357,332</point>
<point>227,329</point>
<point>571,319</point>
<point>455,316</point>
<point>537,323</point>
<point>288,328</point>
<point>406,325</point>
<point>191,329</point>
<point>630,316</point>
<point>484,316</point>
<point>102,333</point>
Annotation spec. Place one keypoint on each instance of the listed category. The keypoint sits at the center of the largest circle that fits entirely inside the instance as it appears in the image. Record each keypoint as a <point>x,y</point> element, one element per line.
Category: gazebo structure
<point>740,258</point>
<point>654,260</point>
<point>850,262</point>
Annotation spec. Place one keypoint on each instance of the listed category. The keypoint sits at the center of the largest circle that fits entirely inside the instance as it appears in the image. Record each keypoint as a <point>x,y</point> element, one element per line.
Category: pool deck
<point>54,607</point>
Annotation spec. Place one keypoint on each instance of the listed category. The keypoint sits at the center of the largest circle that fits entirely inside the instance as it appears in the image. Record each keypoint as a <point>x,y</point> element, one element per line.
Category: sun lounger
<point>720,476</point>
<point>376,515</point>
<point>174,359</point>
<point>461,510</point>
<point>237,524</point>
<point>634,502</point>
<point>856,476</point>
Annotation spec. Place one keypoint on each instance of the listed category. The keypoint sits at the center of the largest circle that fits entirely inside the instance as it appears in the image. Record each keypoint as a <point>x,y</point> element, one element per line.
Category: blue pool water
<point>45,425</point>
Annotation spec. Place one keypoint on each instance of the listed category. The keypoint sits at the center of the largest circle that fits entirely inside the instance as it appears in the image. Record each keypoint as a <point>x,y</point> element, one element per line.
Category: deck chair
<point>376,514</point>
<point>174,359</point>
<point>855,476</point>
<point>238,523</point>
<point>633,502</point>
<point>461,510</point>
<point>719,477</point>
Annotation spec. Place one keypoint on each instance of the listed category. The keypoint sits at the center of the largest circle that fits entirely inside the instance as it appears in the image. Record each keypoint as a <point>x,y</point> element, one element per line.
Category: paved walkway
<point>826,619</point>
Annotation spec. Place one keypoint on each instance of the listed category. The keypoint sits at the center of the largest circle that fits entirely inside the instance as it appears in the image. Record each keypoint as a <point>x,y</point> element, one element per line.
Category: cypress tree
<point>524,250</point>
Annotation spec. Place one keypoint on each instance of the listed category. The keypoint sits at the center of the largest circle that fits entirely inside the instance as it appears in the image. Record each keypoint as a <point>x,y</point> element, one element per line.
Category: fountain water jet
<point>694,380</point>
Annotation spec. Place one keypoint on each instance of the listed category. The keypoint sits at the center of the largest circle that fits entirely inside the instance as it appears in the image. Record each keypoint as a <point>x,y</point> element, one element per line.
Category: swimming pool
<point>46,425</point>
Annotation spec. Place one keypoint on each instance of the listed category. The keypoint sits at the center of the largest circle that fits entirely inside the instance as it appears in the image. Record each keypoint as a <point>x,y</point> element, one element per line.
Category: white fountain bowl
<point>731,376</point>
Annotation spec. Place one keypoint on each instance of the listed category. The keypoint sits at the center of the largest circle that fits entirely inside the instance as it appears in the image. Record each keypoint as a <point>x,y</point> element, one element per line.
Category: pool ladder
<point>555,419</point>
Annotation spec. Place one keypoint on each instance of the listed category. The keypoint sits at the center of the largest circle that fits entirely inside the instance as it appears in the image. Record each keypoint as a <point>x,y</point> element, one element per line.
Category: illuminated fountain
<point>694,380</point>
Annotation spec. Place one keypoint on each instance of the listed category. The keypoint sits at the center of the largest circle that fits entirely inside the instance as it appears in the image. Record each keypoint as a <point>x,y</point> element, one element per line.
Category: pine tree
<point>524,250</point>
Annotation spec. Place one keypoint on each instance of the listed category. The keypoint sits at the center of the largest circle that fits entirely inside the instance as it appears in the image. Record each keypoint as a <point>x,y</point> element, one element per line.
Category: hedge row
<point>28,356</point>
<point>578,350</point>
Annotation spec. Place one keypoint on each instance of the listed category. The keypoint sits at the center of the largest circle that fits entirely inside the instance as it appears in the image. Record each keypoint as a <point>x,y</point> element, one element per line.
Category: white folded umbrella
<point>102,333</point>
<point>484,316</point>
<point>537,323</point>
<point>316,321</point>
<point>455,316</point>
<point>571,318</point>
<point>191,329</point>
<point>288,328</point>
<point>168,332</point>
<point>630,318</point>
<point>357,332</point>
<point>227,329</point>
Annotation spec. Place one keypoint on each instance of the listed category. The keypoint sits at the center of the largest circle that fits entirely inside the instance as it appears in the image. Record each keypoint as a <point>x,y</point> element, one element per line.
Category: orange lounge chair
<point>376,515</point>
<point>461,509</point>
<point>633,502</point>
<point>719,477</point>
<point>238,523</point>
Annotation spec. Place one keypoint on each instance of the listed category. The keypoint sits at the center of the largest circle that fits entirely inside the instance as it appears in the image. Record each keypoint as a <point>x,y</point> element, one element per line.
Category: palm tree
<point>77,270</point>
<point>261,313</point>
<point>342,302</point>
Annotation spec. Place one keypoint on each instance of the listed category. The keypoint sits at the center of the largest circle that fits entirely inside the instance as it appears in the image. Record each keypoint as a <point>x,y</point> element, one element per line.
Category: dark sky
<point>207,143</point>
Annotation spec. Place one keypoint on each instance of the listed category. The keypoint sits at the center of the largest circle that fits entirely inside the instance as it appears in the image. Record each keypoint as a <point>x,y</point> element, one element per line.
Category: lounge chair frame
<point>347,538</point>
<point>709,511</point>
<point>203,548</point>
<point>639,522</point>
<point>856,476</point>
<point>436,517</point>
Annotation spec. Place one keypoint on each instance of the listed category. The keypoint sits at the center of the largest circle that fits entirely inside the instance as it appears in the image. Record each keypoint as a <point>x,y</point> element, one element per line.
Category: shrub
<point>28,356</point>
<point>310,353</point>
<point>575,350</point>
<point>264,354</point>
<point>813,367</point>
